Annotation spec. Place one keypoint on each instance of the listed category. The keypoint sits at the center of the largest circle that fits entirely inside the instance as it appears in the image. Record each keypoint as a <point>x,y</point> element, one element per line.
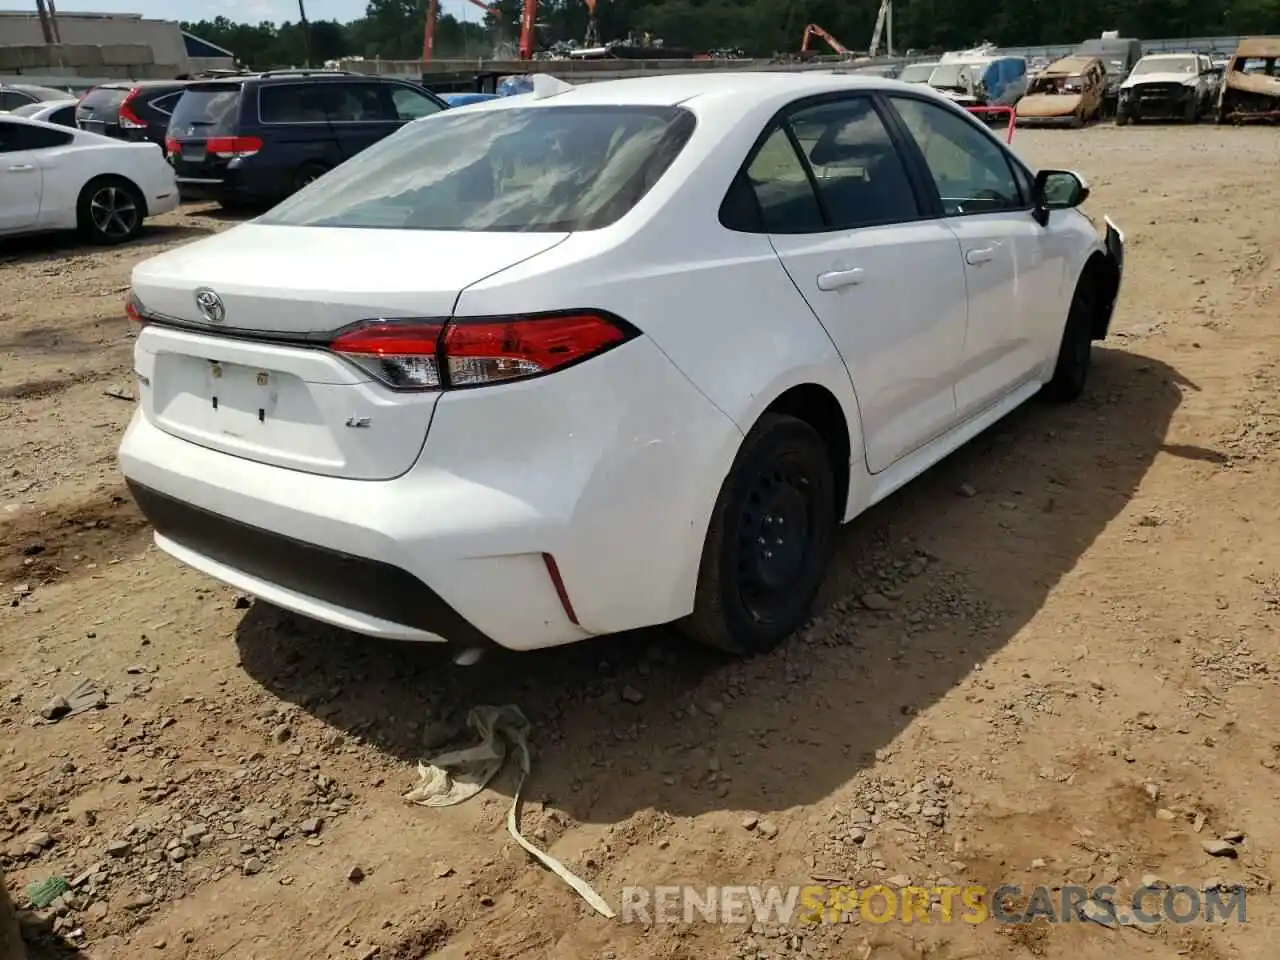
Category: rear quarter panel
<point>718,304</point>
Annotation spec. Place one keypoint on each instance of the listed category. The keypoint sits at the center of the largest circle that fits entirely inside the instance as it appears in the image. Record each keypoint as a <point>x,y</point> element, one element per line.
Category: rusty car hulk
<point>1251,83</point>
<point>1067,91</point>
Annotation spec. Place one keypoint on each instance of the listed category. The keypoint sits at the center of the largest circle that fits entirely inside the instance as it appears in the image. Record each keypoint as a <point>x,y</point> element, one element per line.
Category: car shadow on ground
<point>960,561</point>
<point>55,246</point>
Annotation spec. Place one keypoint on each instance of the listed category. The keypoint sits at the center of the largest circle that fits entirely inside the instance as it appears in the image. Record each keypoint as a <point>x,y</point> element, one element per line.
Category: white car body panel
<point>612,466</point>
<point>39,189</point>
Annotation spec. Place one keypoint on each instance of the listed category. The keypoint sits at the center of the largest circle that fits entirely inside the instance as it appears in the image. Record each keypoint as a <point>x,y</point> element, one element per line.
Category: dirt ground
<point>1051,660</point>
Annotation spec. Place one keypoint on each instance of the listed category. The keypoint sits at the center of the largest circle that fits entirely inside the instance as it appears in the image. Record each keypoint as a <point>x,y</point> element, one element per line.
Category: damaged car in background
<point>1168,86</point>
<point>1068,91</point>
<point>1250,87</point>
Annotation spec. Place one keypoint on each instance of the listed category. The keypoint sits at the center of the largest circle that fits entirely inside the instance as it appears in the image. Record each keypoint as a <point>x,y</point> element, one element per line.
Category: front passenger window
<point>970,170</point>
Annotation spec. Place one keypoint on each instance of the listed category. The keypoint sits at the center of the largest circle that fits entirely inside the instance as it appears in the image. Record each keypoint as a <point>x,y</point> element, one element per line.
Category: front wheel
<point>1075,352</point>
<point>110,211</point>
<point>770,536</point>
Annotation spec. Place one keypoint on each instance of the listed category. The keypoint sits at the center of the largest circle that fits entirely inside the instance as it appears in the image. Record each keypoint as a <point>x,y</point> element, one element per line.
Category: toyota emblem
<point>210,305</point>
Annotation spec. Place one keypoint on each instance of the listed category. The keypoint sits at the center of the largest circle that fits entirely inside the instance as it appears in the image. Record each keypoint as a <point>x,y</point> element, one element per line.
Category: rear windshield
<point>206,110</point>
<point>1166,65</point>
<point>555,168</point>
<point>104,99</point>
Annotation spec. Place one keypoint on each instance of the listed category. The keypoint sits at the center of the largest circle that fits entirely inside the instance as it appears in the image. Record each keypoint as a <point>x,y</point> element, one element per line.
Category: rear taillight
<point>134,310</point>
<point>435,355</point>
<point>128,119</point>
<point>171,146</point>
<point>234,146</point>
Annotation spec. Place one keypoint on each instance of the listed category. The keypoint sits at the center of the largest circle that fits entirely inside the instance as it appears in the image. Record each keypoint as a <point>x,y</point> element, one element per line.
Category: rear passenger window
<point>166,103</point>
<point>862,180</point>
<point>353,102</point>
<point>782,188</point>
<point>290,103</point>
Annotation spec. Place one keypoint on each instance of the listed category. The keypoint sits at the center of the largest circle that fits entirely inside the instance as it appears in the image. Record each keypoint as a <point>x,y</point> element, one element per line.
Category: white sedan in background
<point>578,362</point>
<point>55,178</point>
<point>59,112</point>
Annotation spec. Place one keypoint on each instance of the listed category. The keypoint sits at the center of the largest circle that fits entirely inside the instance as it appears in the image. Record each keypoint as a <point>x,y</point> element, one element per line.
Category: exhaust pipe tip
<point>468,657</point>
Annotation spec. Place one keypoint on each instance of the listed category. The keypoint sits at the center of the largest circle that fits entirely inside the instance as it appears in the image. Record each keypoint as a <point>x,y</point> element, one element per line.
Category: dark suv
<point>252,141</point>
<point>130,110</point>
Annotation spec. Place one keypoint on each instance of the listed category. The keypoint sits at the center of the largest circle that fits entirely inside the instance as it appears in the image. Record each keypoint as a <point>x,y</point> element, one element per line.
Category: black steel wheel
<point>769,539</point>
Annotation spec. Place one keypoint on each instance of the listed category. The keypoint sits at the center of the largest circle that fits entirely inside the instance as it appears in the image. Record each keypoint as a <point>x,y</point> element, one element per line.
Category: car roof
<point>1069,65</point>
<point>673,89</point>
<point>42,93</point>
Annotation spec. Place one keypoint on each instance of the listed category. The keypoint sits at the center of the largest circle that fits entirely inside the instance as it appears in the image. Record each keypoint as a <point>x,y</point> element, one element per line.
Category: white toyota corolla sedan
<point>55,178</point>
<point>563,365</point>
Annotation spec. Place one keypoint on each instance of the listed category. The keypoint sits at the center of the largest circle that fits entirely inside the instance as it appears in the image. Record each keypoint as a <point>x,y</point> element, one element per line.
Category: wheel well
<point>1103,280</point>
<point>819,408</point>
<point>117,178</point>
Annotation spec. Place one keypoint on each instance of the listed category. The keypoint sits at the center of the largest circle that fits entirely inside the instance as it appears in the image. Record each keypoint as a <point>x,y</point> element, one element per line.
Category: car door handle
<point>980,255</point>
<point>835,279</point>
<point>21,167</point>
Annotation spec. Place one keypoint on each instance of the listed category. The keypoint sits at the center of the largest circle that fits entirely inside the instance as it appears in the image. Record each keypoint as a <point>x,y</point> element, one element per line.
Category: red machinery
<point>528,24</point>
<point>813,30</point>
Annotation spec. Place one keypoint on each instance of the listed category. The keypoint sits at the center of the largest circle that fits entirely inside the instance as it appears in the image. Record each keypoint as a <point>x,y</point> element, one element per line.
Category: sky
<point>245,11</point>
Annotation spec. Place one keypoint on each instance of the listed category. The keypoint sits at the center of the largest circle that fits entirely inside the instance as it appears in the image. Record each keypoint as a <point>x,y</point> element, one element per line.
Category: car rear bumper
<point>610,468</point>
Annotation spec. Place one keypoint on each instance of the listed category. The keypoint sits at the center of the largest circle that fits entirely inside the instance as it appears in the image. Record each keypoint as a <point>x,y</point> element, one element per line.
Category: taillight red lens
<point>492,351</point>
<point>134,310</point>
<point>401,353</point>
<point>171,146</point>
<point>234,146</point>
<point>431,355</point>
<point>129,119</point>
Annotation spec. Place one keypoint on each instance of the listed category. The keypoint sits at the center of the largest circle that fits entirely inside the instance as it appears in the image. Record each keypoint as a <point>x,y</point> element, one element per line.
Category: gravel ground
<point>1050,660</point>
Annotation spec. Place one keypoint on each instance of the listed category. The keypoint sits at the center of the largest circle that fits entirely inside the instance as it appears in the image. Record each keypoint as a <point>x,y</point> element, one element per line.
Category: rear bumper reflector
<point>557,581</point>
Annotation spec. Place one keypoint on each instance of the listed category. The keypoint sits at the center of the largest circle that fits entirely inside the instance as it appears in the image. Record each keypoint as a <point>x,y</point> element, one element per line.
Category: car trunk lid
<point>235,360</point>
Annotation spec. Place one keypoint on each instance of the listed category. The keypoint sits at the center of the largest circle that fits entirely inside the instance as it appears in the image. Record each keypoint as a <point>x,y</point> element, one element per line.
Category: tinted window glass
<point>10,137</point>
<point>411,104</point>
<point>164,105</point>
<point>206,110</point>
<point>352,102</point>
<point>970,169</point>
<point>292,103</point>
<point>11,99</point>
<point>66,116</point>
<point>860,176</point>
<point>526,169</point>
<point>38,138</point>
<point>103,101</point>
<point>782,188</point>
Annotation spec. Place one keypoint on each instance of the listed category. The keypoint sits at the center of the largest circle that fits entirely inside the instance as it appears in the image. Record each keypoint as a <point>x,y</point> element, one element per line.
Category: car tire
<point>1193,112</point>
<point>751,594</point>
<point>1122,119</point>
<point>1075,352</point>
<point>110,210</point>
<point>306,173</point>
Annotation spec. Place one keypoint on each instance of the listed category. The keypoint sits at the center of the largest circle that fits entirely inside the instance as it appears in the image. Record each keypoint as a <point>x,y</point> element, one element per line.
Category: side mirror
<point>1057,190</point>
